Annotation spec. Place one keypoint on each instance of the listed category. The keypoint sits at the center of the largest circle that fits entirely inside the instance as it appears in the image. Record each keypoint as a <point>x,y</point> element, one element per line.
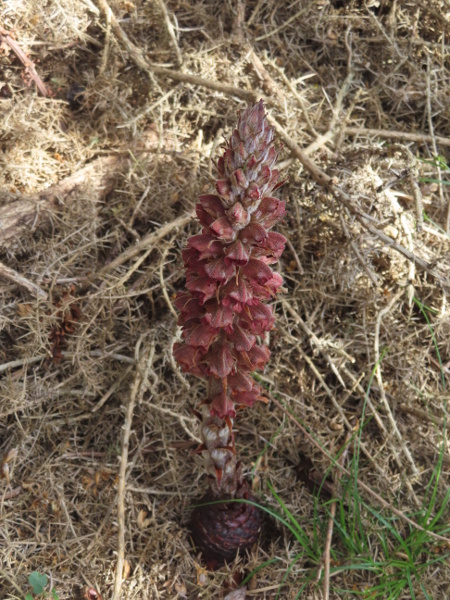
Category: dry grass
<point>322,67</point>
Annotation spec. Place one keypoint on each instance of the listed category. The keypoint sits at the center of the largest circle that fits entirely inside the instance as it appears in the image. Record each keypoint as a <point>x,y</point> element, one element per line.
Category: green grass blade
<point>433,180</point>
<point>258,568</point>
<point>286,575</point>
<point>294,526</point>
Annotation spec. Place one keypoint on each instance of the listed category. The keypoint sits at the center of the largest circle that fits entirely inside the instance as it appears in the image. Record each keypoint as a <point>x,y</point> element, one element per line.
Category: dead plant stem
<point>422,414</point>
<point>21,281</point>
<point>162,281</point>
<point>181,419</point>
<point>144,363</point>
<point>408,136</point>
<point>149,241</point>
<point>5,575</point>
<point>293,89</point>
<point>327,550</point>
<point>322,139</point>
<point>107,43</point>
<point>138,58</point>
<point>318,343</point>
<point>433,142</point>
<point>383,312</point>
<point>285,24</point>
<point>295,255</point>
<point>27,63</point>
<point>170,30</point>
<point>20,362</point>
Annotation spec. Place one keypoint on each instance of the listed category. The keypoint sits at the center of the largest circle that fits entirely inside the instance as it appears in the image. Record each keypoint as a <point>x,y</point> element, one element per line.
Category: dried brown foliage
<point>331,73</point>
<point>68,314</point>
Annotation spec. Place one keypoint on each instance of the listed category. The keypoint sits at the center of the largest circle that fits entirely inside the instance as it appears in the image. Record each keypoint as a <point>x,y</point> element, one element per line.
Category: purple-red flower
<point>223,313</point>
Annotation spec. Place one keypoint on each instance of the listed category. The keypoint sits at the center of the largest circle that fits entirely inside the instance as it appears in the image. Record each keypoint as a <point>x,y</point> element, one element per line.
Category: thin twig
<point>20,280</point>
<point>91,6</point>
<point>422,414</point>
<point>120,283</point>
<point>170,30</point>
<point>148,109</point>
<point>330,395</point>
<point>149,241</point>
<point>115,355</point>
<point>293,89</point>
<point>107,43</point>
<point>290,245</point>
<point>431,128</point>
<point>319,345</point>
<point>21,362</point>
<point>162,280</point>
<point>379,378</point>
<point>406,225</point>
<point>112,389</point>
<point>347,116</point>
<point>255,12</point>
<point>408,136</point>
<point>413,174</point>
<point>6,576</point>
<point>27,63</point>
<point>269,85</point>
<point>12,493</point>
<point>327,550</point>
<point>286,23</point>
<point>326,137</point>
<point>416,192</point>
<point>144,364</point>
<point>180,418</point>
<point>363,393</point>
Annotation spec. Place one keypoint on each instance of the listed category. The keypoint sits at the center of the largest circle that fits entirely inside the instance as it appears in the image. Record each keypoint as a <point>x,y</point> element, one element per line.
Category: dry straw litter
<point>112,113</point>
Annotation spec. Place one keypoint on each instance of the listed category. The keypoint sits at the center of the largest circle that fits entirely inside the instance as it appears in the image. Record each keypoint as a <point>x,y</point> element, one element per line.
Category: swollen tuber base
<point>220,531</point>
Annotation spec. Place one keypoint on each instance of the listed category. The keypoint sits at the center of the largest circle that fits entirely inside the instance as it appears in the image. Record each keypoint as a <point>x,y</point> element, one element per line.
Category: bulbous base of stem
<point>220,531</point>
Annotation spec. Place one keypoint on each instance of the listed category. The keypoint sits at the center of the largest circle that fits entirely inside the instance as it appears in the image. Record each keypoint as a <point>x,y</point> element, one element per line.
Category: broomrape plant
<point>224,316</point>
